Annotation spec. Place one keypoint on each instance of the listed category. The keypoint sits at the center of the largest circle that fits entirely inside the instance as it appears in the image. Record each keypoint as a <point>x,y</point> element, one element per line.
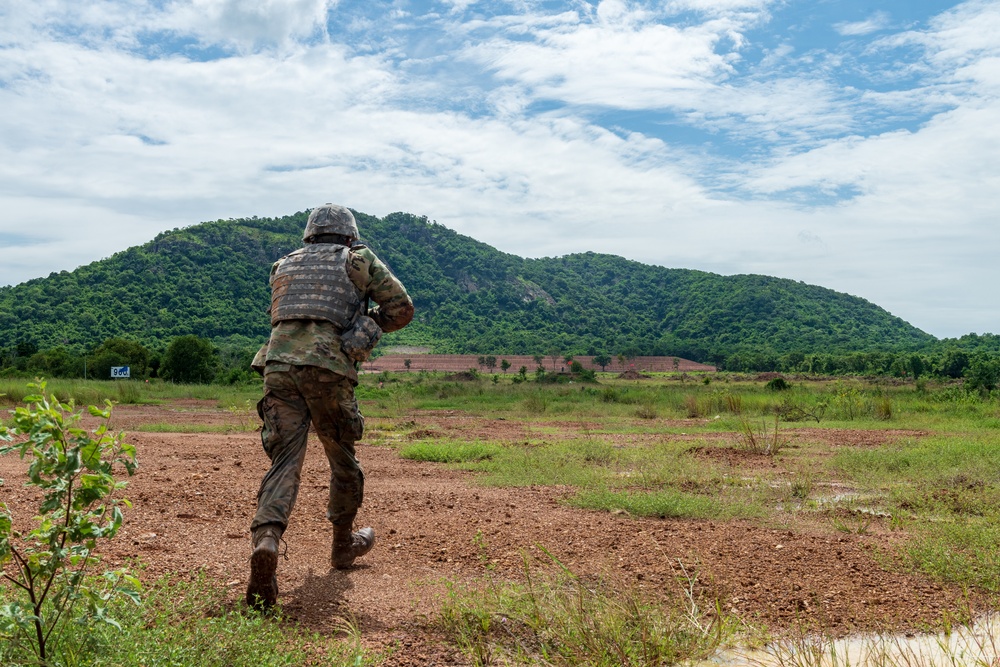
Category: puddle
<point>846,497</point>
<point>975,646</point>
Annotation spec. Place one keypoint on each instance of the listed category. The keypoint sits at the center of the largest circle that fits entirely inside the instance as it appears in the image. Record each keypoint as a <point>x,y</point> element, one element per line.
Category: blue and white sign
<point>120,372</point>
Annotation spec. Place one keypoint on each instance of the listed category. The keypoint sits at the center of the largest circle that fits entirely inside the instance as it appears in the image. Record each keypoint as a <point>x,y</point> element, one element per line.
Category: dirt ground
<point>195,494</point>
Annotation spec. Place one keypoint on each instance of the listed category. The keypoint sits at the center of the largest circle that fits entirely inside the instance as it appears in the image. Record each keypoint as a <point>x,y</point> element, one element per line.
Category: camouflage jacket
<point>317,343</point>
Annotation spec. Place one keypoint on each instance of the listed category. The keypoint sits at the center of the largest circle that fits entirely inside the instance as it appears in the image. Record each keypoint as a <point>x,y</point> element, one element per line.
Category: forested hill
<point>211,280</point>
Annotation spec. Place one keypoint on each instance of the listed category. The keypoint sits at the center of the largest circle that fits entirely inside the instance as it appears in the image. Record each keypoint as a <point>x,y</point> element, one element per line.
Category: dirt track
<point>195,495</point>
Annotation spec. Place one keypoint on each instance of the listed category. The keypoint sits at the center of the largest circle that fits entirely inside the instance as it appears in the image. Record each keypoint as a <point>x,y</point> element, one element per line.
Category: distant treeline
<point>976,359</point>
<point>188,359</point>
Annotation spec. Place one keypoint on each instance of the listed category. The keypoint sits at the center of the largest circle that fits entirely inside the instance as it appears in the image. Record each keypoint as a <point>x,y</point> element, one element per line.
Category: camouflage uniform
<point>309,379</point>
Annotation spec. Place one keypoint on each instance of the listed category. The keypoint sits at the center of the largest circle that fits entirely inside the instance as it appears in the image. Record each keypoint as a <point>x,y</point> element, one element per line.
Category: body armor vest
<point>312,284</point>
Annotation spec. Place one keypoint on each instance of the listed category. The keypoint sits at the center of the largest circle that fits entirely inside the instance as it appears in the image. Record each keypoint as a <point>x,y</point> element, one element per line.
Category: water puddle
<point>977,645</point>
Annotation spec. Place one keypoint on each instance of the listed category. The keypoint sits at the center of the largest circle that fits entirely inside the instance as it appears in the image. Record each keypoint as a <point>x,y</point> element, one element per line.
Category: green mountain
<point>211,280</point>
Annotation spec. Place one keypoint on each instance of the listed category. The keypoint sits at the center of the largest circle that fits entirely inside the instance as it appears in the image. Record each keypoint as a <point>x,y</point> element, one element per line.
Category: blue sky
<point>854,145</point>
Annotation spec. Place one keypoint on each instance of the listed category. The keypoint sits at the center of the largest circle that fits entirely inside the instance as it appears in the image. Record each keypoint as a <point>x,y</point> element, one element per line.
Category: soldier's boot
<point>262,591</point>
<point>348,545</point>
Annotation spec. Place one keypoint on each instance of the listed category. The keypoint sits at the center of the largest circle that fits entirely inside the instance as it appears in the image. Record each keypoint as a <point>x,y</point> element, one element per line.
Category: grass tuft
<point>451,452</point>
<point>666,503</point>
<point>759,438</point>
<point>563,619</point>
<point>163,427</point>
<point>192,623</point>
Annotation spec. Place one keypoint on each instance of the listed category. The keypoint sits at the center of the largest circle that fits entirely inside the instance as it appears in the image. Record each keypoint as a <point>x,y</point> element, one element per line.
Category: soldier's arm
<point>376,281</point>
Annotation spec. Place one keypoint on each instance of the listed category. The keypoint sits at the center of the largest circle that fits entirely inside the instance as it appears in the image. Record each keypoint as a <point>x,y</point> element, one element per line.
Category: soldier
<point>318,330</point>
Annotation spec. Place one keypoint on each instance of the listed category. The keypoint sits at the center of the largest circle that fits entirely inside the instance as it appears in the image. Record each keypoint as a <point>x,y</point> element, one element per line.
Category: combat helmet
<point>330,219</point>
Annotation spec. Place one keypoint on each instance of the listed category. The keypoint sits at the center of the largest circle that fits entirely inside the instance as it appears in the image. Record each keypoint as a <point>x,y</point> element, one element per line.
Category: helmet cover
<point>330,219</point>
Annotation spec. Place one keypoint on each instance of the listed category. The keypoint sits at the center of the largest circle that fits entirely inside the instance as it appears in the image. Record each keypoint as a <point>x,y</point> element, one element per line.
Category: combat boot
<point>347,545</point>
<point>262,591</point>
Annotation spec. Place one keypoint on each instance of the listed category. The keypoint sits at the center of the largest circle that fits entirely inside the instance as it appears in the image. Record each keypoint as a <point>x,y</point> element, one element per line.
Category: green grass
<point>851,403</point>
<point>574,463</point>
<point>557,618</point>
<point>639,480</point>
<point>973,456</point>
<point>668,503</point>
<point>94,392</point>
<point>942,489</point>
<point>163,427</point>
<point>450,452</point>
<point>966,554</point>
<point>182,623</point>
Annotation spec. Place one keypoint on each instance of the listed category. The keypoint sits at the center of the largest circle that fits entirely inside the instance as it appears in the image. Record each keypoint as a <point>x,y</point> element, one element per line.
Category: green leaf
<point>97,412</point>
<point>90,454</point>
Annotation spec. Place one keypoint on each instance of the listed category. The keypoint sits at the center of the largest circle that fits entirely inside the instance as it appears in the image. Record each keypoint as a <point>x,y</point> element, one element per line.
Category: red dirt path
<point>195,495</point>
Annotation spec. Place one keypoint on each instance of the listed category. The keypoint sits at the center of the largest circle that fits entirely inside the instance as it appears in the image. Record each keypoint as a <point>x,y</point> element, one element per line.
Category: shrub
<point>691,407</point>
<point>759,439</point>
<point>51,575</point>
<point>611,395</point>
<point>883,408</point>
<point>778,384</point>
<point>646,411</point>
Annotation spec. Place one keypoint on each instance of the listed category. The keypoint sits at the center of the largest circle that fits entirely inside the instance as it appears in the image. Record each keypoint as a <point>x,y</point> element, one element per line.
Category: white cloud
<point>876,22</point>
<point>102,146</point>
<point>618,62</point>
<point>460,5</point>
<point>246,23</point>
<point>719,7</point>
<point>239,24</point>
<point>628,59</point>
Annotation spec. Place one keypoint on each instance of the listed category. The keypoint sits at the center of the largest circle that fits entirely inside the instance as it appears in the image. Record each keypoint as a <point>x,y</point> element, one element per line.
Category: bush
<point>51,573</point>
<point>189,359</point>
<point>983,374</point>
<point>778,384</point>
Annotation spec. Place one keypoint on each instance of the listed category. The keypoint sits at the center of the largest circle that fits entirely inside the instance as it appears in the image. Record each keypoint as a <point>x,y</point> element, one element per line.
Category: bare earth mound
<point>195,495</point>
<point>631,374</point>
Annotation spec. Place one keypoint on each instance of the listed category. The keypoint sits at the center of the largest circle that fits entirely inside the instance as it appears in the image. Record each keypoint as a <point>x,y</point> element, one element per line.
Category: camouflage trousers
<point>294,399</point>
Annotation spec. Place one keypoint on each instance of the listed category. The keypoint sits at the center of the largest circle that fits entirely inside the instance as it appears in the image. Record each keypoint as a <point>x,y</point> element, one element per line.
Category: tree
<point>953,363</point>
<point>538,359</point>
<point>491,362</point>
<point>119,352</point>
<point>26,348</point>
<point>51,566</point>
<point>983,374</point>
<point>189,359</point>
<point>793,360</point>
<point>55,363</point>
<point>406,363</point>
<point>631,352</point>
<point>234,364</point>
<point>602,360</point>
<point>504,366</point>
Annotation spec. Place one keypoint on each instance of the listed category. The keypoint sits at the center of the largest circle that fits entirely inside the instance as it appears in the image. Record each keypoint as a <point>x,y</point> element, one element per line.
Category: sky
<point>844,143</point>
